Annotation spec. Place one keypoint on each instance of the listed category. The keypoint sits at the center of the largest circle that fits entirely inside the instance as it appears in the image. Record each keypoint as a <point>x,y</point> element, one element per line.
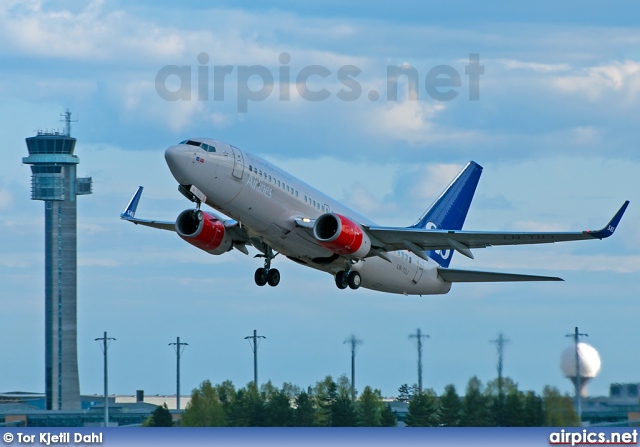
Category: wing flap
<point>457,275</point>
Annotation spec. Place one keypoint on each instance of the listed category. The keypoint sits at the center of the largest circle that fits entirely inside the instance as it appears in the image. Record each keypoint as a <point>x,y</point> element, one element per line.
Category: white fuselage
<point>266,201</point>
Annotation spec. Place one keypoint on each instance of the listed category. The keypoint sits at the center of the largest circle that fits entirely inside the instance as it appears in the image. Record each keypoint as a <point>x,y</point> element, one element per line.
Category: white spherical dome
<point>588,357</point>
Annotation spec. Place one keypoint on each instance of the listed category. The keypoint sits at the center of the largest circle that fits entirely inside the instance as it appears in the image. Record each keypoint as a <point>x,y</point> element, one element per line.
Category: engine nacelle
<point>203,230</point>
<point>341,235</point>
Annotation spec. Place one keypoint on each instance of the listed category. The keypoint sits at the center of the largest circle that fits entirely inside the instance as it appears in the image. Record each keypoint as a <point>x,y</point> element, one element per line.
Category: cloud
<point>599,83</point>
<point>512,64</point>
<point>6,199</point>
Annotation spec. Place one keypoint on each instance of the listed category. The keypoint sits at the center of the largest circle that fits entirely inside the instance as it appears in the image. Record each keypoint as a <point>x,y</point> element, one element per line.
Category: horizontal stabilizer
<point>456,275</point>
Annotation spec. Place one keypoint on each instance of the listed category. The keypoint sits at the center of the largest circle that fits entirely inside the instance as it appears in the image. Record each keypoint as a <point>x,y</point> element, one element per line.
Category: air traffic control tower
<point>54,181</point>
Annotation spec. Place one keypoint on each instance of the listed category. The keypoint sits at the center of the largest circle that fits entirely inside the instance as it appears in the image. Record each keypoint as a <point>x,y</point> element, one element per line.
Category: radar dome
<point>588,357</point>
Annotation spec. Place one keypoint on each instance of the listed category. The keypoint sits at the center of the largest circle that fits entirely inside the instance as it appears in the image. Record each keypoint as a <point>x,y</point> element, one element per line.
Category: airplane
<point>277,214</point>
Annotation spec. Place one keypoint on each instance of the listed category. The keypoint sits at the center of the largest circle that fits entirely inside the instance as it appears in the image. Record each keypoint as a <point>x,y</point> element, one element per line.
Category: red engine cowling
<point>341,235</point>
<point>203,230</point>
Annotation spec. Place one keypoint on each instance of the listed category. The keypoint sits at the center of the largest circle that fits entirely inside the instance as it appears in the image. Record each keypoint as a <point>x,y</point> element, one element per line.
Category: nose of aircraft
<point>177,158</point>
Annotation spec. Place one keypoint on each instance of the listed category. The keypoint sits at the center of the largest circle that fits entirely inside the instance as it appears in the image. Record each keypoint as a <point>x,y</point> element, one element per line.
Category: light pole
<point>353,341</point>
<point>419,336</point>
<point>254,346</point>
<point>178,348</point>
<point>105,346</point>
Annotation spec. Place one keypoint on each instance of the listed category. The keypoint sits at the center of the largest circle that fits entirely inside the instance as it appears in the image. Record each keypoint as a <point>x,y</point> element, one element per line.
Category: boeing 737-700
<point>275,213</point>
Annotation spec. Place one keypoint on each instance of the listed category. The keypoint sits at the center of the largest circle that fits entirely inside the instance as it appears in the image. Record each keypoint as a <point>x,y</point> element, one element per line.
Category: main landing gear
<point>347,278</point>
<point>267,274</point>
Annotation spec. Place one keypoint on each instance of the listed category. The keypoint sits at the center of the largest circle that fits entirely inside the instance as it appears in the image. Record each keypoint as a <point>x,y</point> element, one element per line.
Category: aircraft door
<point>238,163</point>
<point>419,271</point>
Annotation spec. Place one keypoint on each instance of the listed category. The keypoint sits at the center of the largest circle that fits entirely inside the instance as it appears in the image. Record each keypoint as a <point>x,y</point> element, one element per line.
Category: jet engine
<point>341,235</point>
<point>203,230</point>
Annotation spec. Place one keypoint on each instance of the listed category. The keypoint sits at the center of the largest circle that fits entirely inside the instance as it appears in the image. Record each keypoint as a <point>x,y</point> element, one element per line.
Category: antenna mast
<point>66,119</point>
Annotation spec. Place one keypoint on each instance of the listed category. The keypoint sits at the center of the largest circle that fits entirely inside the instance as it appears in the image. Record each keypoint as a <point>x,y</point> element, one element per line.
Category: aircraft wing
<point>419,240</point>
<point>130,211</point>
<point>239,234</point>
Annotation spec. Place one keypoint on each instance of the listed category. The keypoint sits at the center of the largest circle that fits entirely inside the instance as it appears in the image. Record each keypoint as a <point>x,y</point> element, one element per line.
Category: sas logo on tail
<point>200,160</point>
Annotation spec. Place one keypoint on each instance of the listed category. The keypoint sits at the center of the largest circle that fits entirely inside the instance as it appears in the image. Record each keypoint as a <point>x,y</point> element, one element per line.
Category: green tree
<point>304,413</point>
<point>424,410</point>
<point>248,408</point>
<point>370,408</point>
<point>388,418</point>
<point>204,409</point>
<point>558,409</point>
<point>476,411</point>
<point>226,394</point>
<point>514,409</point>
<point>406,392</point>
<point>255,406</point>
<point>278,409</point>
<point>161,417</point>
<point>450,407</point>
<point>343,410</point>
<point>326,394</point>
<point>533,411</point>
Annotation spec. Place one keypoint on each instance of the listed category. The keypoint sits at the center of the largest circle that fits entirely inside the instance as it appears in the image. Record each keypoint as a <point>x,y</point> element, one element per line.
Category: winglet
<point>611,226</point>
<point>130,211</point>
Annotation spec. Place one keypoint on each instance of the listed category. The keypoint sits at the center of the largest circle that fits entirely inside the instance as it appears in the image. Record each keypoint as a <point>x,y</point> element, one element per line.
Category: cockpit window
<point>204,146</point>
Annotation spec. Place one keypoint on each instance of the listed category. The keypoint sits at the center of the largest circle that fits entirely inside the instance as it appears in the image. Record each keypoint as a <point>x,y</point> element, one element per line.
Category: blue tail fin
<point>130,210</point>
<point>449,210</point>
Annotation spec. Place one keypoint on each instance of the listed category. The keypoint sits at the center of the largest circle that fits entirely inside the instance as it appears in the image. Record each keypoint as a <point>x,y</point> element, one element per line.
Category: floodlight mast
<point>500,342</point>
<point>178,348</point>
<point>419,336</point>
<point>105,346</point>
<point>353,341</point>
<point>254,347</point>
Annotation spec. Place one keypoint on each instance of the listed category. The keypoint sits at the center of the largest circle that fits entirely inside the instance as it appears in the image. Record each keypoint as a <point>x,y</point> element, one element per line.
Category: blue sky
<point>555,128</point>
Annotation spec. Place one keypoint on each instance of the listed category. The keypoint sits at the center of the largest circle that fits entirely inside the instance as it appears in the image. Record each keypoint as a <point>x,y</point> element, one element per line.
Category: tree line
<point>329,404</point>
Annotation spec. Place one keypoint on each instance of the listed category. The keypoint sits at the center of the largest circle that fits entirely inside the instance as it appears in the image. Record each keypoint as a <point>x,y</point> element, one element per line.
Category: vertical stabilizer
<point>450,209</point>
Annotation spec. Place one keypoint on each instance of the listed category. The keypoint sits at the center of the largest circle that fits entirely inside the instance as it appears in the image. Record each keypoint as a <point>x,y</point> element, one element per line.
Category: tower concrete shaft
<point>54,181</point>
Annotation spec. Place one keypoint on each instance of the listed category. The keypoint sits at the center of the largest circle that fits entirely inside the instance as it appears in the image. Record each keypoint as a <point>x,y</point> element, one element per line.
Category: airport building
<point>54,181</point>
<point>21,409</point>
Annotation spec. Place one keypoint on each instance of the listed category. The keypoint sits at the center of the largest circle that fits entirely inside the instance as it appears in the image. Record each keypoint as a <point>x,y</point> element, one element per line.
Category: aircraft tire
<point>341,281</point>
<point>260,277</point>
<point>273,277</point>
<point>354,280</point>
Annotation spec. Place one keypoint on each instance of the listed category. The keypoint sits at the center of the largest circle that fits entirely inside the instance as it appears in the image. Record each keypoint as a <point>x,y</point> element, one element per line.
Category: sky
<point>552,119</point>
